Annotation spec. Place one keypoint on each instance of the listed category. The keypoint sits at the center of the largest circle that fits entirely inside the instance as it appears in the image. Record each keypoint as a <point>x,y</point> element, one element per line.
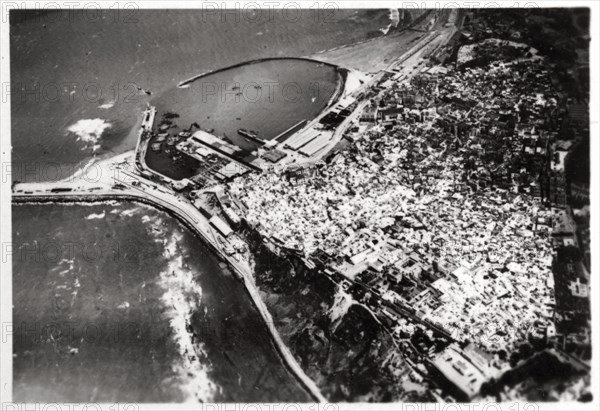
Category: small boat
<point>148,92</point>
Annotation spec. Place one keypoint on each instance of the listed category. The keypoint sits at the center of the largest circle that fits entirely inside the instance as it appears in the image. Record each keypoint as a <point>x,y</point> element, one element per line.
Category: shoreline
<point>198,224</point>
<point>285,355</point>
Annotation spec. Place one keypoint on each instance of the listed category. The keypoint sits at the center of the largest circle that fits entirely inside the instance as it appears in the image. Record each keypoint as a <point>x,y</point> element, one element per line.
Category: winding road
<point>122,178</point>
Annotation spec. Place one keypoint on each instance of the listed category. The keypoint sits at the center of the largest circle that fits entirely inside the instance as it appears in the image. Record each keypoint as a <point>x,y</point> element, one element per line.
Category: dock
<point>281,137</point>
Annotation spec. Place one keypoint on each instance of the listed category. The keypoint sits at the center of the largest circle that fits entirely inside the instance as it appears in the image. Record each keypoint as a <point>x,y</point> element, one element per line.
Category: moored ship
<point>247,133</point>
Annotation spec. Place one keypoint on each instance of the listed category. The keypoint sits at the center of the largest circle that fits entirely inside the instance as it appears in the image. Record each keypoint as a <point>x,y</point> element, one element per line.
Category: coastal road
<point>136,188</point>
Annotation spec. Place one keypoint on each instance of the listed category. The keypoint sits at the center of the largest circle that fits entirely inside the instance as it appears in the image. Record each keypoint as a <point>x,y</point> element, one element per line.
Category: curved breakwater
<point>249,62</point>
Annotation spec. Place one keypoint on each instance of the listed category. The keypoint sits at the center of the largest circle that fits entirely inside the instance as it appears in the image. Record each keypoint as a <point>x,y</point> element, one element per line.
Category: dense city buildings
<point>415,228</point>
<point>451,202</point>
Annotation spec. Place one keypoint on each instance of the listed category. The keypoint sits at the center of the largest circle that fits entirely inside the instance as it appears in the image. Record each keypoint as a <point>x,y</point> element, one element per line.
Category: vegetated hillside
<point>338,342</point>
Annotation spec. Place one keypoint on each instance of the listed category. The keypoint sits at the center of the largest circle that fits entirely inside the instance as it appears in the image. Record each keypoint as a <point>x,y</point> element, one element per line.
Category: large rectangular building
<point>221,226</point>
<point>456,367</point>
<point>302,139</point>
<point>314,147</point>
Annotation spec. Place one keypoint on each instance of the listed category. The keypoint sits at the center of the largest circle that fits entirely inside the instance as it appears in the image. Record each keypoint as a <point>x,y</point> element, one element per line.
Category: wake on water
<point>182,297</point>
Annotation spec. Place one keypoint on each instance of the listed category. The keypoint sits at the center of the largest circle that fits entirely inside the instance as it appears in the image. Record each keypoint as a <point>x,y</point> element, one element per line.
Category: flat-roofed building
<point>302,138</point>
<point>221,226</point>
<point>314,147</point>
<point>346,101</point>
<point>232,215</point>
<point>232,169</point>
<point>274,155</point>
<point>203,151</point>
<point>578,289</point>
<point>391,114</point>
<point>181,184</point>
<point>369,115</point>
<point>456,367</point>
